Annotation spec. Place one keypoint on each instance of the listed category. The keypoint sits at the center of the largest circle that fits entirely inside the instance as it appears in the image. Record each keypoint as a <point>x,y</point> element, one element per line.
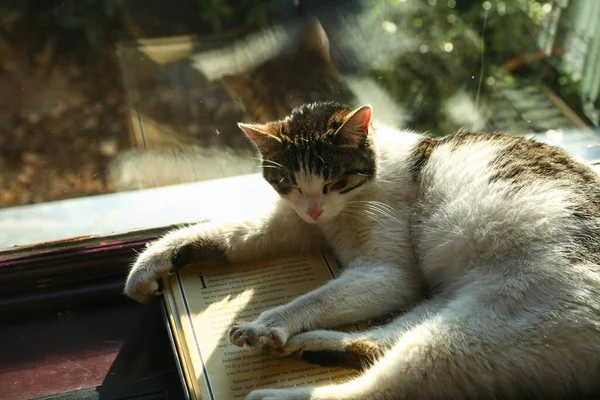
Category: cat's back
<point>486,197</point>
<point>501,168</point>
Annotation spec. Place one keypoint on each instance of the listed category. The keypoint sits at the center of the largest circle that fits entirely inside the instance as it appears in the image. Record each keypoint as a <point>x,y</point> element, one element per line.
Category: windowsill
<point>128,211</point>
<point>134,210</point>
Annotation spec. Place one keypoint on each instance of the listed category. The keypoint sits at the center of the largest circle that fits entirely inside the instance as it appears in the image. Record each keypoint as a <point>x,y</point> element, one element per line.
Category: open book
<point>204,302</point>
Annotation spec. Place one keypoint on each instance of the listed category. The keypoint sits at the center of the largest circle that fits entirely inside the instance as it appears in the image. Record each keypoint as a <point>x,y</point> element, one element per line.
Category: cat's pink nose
<point>314,214</point>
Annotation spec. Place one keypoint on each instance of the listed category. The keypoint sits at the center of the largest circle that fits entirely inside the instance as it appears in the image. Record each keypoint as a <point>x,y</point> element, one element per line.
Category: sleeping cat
<point>493,240</point>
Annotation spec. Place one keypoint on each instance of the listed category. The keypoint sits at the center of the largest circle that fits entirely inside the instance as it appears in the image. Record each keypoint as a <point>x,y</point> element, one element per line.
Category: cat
<point>491,241</point>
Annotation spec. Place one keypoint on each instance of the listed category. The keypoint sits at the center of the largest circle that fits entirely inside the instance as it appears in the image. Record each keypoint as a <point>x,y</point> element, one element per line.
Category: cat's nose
<point>314,213</point>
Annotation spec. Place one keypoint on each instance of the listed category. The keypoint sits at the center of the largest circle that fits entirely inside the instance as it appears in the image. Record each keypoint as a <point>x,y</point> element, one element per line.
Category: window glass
<point>114,99</point>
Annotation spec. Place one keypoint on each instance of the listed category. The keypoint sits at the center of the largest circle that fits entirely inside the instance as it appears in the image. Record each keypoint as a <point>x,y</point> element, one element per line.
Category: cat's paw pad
<point>257,334</point>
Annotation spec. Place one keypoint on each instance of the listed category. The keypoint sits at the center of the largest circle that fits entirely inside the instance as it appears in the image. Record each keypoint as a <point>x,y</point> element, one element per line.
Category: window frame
<point>76,271</point>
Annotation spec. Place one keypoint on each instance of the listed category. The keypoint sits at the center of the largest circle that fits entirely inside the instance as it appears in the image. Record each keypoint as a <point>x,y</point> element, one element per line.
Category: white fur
<point>509,311</point>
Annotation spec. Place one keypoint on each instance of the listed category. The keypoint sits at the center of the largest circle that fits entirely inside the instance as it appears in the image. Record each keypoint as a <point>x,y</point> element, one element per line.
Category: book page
<point>215,298</point>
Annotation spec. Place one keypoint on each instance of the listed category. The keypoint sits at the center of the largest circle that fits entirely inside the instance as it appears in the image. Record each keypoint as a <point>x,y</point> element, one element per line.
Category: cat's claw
<point>257,334</point>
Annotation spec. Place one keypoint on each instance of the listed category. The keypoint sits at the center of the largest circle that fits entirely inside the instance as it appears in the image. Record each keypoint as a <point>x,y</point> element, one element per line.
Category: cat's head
<point>318,158</point>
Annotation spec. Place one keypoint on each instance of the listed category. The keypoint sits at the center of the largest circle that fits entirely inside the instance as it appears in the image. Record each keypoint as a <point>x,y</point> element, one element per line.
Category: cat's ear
<point>314,38</point>
<point>262,136</point>
<point>355,128</point>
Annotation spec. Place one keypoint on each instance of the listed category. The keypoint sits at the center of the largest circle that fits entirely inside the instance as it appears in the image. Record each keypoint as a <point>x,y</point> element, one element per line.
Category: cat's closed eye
<point>339,184</point>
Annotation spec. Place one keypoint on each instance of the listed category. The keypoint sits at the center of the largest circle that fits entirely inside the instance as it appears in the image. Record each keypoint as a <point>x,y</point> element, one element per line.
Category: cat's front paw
<point>160,258</point>
<point>142,281</point>
<point>280,394</point>
<point>258,334</point>
<point>292,347</point>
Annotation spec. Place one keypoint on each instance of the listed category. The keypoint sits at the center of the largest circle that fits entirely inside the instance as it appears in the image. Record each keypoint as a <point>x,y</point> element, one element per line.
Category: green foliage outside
<point>453,33</point>
<point>81,24</point>
<point>222,15</point>
<point>459,40</point>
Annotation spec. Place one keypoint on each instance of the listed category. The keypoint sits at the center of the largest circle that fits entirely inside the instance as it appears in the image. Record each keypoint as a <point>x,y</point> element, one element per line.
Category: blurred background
<point>112,110</point>
<point>102,96</point>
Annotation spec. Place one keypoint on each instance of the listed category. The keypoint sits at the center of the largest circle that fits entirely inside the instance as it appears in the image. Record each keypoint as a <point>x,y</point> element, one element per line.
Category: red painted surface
<point>71,351</point>
<point>57,374</point>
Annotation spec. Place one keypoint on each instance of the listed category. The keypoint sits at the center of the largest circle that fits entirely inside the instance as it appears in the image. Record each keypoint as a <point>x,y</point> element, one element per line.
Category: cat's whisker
<point>391,217</point>
<point>358,217</point>
<point>383,208</point>
<point>361,211</point>
<point>270,163</point>
<point>387,211</point>
<point>274,167</point>
<point>384,205</point>
<point>276,163</point>
<point>377,208</point>
<point>365,175</point>
<point>349,215</point>
<point>374,217</point>
<point>387,216</point>
<point>434,250</point>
